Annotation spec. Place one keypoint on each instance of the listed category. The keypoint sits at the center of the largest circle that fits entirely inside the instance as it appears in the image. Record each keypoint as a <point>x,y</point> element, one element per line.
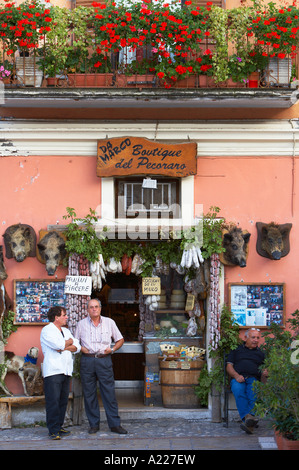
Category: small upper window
<point>142,197</point>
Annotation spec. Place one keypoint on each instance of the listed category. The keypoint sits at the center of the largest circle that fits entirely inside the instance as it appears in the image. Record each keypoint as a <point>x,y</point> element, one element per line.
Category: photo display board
<point>34,297</point>
<point>257,305</point>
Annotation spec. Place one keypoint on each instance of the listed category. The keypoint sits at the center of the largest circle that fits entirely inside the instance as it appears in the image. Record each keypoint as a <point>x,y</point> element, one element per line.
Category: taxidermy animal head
<point>20,241</point>
<point>235,241</point>
<point>51,251</point>
<point>273,240</point>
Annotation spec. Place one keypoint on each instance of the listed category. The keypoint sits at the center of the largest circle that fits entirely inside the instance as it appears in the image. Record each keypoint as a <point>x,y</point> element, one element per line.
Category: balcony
<point>144,54</point>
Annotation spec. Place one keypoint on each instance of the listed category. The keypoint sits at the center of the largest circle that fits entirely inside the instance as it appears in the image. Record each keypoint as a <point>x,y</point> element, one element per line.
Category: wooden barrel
<point>178,379</point>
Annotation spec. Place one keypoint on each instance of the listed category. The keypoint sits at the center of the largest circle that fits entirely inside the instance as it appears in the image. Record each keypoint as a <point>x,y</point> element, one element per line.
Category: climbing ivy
<point>8,326</point>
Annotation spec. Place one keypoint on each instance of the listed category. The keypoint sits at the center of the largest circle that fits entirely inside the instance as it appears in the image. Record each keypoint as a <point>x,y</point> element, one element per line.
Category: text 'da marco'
<point>133,156</point>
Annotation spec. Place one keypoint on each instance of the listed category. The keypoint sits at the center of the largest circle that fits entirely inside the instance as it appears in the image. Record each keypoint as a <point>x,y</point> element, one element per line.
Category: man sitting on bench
<point>243,366</point>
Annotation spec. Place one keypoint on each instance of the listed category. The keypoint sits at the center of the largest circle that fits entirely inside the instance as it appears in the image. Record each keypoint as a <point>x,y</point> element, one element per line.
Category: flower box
<point>189,82</point>
<point>231,84</point>
<point>57,81</point>
<point>90,80</point>
<point>206,82</point>
<point>135,81</point>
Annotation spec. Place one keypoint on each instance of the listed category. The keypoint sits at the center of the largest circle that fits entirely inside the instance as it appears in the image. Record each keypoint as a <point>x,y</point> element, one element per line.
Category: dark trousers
<point>56,388</point>
<point>99,369</point>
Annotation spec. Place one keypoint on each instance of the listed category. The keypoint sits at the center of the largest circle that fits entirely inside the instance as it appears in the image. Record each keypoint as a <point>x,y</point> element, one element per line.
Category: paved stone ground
<point>150,435</point>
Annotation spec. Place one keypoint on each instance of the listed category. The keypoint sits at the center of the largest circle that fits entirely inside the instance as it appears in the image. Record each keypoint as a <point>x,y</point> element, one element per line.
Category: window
<point>133,199</point>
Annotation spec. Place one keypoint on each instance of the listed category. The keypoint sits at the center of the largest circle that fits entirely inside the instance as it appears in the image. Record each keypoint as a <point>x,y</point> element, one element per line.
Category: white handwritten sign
<point>78,285</point>
<point>151,286</point>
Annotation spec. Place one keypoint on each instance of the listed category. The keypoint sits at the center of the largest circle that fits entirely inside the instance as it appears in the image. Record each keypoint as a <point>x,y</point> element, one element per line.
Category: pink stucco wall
<point>250,190</point>
<point>37,190</point>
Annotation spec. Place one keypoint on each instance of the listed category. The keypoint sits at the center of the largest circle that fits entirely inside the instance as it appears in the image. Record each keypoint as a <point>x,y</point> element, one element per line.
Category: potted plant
<point>52,66</point>
<point>218,21</point>
<point>294,77</point>
<point>175,73</point>
<point>53,55</point>
<point>248,70</point>
<point>274,29</point>
<point>278,397</point>
<point>6,70</point>
<point>22,27</point>
<point>138,73</point>
<point>94,71</point>
<point>87,66</point>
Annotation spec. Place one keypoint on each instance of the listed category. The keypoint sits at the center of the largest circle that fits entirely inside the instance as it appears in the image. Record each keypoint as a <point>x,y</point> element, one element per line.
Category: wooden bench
<point>6,404</point>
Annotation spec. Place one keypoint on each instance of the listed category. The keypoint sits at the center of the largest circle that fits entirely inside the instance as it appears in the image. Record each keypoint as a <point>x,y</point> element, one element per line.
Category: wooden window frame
<point>149,213</point>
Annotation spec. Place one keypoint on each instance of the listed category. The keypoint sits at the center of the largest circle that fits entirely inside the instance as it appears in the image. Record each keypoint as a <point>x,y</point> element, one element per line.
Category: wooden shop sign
<point>122,156</point>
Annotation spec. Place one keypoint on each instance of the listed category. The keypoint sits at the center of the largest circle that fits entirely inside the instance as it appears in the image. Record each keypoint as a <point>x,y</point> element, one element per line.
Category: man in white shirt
<point>57,344</point>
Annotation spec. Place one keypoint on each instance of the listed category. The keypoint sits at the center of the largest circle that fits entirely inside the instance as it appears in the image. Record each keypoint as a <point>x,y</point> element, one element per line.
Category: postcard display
<point>257,305</point>
<point>34,297</point>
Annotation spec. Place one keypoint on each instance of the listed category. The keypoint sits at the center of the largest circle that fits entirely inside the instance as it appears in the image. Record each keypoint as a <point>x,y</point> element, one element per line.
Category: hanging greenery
<point>81,235</point>
<point>83,239</point>
<point>8,326</point>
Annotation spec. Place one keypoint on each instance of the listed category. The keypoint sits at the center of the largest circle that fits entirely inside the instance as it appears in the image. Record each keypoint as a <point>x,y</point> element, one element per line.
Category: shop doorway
<point>120,301</point>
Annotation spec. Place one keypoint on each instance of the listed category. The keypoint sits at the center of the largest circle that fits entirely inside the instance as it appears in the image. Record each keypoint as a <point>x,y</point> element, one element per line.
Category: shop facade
<point>248,169</point>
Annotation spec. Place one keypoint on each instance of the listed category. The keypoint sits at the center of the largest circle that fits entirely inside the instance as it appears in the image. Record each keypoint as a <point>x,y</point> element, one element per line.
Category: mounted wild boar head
<point>273,240</point>
<point>20,241</point>
<point>235,241</point>
<point>51,250</point>
<point>3,273</point>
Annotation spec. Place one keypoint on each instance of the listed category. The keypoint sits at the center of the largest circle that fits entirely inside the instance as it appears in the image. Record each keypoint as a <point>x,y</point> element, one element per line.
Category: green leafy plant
<point>54,53</point>
<point>240,39</point>
<point>81,235</point>
<point>229,340</point>
<point>82,40</point>
<point>22,26</point>
<point>218,27</point>
<point>83,239</point>
<point>278,397</point>
<point>212,232</point>
<point>8,326</point>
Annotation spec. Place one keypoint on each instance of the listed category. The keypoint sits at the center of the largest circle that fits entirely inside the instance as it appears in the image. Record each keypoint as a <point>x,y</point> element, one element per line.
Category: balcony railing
<point>148,46</point>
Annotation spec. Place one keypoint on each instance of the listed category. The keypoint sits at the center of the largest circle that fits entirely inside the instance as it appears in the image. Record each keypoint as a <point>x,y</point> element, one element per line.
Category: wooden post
<point>77,402</point>
<point>216,403</point>
<point>5,416</point>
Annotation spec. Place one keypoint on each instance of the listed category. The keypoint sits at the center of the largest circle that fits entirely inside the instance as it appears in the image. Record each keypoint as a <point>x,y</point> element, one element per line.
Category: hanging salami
<point>214,302</point>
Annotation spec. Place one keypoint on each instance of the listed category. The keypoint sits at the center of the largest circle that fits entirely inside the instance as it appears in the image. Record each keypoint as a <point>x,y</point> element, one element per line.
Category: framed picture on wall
<point>34,297</point>
<point>257,305</point>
